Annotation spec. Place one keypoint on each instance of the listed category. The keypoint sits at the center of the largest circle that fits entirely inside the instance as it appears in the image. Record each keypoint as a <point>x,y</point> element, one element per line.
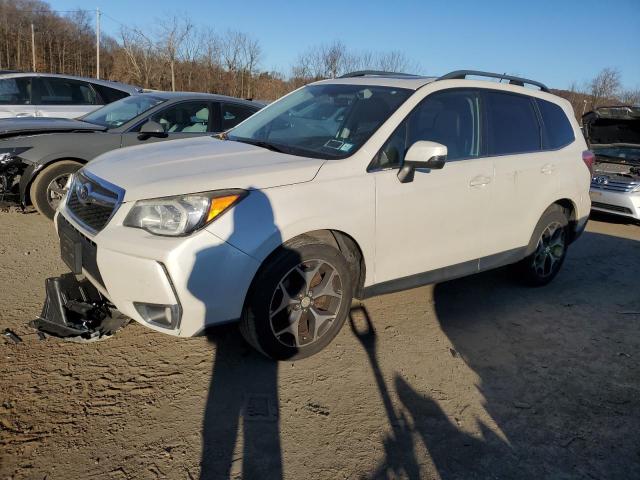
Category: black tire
<point>40,188</point>
<point>258,322</point>
<point>548,253</point>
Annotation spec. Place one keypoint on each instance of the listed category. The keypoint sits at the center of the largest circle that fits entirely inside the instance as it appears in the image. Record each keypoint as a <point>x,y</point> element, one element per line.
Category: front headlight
<point>7,154</point>
<point>182,214</point>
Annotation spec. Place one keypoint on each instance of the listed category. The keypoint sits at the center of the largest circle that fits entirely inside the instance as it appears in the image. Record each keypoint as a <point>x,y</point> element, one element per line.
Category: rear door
<point>438,220</point>
<point>179,120</point>
<point>15,97</point>
<point>524,175</point>
<point>63,97</point>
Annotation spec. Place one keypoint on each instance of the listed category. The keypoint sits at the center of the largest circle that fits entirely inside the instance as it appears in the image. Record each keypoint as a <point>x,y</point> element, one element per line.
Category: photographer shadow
<point>240,428</point>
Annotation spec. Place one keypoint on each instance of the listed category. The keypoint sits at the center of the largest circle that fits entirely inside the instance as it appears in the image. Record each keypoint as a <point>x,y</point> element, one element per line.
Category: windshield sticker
<point>335,144</point>
<point>346,147</point>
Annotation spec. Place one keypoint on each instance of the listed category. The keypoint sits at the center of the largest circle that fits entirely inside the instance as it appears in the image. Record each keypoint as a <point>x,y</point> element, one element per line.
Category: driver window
<point>449,117</point>
<point>188,117</point>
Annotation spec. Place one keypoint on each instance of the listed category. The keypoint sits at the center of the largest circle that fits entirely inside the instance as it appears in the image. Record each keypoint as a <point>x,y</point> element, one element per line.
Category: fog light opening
<point>165,316</point>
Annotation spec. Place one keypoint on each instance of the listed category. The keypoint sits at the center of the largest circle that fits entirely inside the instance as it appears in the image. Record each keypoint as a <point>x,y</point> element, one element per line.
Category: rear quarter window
<point>233,114</point>
<point>557,131</point>
<point>108,94</point>
<point>513,125</point>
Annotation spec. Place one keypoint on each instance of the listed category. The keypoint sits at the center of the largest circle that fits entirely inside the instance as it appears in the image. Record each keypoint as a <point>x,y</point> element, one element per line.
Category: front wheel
<point>48,188</point>
<point>298,301</point>
<point>550,237</point>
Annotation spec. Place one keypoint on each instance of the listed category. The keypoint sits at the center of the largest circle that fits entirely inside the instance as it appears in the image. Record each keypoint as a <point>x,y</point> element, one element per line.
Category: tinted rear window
<point>512,124</point>
<point>108,94</point>
<point>233,114</point>
<point>557,129</point>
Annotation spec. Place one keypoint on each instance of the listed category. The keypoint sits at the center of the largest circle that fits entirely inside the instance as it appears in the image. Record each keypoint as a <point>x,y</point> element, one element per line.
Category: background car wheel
<point>298,301</point>
<point>549,243</point>
<point>47,189</point>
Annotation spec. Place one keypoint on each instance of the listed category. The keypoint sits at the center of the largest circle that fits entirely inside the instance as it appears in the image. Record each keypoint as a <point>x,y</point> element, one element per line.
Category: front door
<point>438,220</point>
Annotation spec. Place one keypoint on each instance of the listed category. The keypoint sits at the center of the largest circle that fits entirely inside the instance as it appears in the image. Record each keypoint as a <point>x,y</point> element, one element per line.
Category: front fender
<point>26,178</point>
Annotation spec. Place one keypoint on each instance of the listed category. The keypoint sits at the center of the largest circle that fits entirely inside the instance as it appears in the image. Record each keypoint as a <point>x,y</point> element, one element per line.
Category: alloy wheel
<point>56,190</point>
<point>550,249</point>
<point>305,303</point>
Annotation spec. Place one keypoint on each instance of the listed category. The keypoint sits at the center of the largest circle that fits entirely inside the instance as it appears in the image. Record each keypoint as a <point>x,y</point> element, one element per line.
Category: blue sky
<point>554,41</point>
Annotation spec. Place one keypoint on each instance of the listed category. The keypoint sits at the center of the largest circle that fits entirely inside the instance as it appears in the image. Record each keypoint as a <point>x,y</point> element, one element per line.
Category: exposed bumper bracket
<point>73,308</point>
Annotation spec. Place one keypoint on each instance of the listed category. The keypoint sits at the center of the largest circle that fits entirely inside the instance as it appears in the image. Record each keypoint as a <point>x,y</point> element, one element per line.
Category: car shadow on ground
<point>563,392</point>
<point>558,387</point>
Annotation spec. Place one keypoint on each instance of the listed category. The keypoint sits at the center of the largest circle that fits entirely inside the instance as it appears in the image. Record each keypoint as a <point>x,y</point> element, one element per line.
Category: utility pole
<point>97,43</point>
<point>33,48</point>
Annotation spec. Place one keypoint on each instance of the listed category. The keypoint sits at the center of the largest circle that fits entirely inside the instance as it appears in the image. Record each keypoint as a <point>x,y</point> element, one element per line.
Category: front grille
<point>92,202</point>
<point>603,182</point>
<point>613,208</point>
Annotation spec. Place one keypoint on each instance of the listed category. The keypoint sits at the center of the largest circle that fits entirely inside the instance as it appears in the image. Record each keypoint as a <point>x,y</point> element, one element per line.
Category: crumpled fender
<point>26,178</point>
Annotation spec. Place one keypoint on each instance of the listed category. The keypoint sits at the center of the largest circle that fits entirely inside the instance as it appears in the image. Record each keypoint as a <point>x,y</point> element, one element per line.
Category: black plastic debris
<point>12,336</point>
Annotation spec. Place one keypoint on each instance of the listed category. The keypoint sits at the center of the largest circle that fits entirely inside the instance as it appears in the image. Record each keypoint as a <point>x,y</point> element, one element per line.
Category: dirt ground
<point>473,378</point>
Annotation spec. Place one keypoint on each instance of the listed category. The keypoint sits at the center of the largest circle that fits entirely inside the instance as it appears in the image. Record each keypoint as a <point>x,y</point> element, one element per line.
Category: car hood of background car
<point>197,165</point>
<point>612,126</point>
<point>12,127</point>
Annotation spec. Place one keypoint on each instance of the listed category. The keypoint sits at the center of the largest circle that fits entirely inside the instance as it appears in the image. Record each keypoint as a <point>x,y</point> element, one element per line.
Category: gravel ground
<point>473,378</point>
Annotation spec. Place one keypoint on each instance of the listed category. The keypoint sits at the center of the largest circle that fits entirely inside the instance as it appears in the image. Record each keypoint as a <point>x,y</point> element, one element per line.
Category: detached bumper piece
<point>76,308</point>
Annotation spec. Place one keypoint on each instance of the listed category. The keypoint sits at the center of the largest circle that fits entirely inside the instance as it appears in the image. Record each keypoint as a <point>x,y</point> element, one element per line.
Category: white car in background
<point>613,134</point>
<point>410,180</point>
<point>60,96</point>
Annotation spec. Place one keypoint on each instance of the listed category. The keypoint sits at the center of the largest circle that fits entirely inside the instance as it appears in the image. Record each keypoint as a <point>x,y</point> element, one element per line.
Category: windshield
<point>321,121</point>
<point>120,112</point>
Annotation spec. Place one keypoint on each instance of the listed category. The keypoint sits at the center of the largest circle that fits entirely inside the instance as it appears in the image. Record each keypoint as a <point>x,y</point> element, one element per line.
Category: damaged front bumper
<point>75,308</point>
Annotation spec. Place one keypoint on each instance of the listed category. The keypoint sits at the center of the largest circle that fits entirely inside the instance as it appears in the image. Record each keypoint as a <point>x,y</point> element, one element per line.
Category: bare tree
<point>251,52</point>
<point>630,97</point>
<point>139,51</point>
<point>604,86</point>
<point>173,34</point>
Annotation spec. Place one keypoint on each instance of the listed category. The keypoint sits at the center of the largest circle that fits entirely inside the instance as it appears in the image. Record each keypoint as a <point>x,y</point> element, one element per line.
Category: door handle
<point>548,169</point>
<point>25,115</point>
<point>479,181</point>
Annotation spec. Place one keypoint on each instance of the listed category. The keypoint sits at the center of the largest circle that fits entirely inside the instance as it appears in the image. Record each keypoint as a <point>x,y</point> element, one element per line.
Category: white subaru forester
<point>351,187</point>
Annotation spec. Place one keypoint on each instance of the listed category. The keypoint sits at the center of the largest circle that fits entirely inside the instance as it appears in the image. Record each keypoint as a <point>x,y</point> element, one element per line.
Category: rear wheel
<point>299,300</point>
<point>48,188</point>
<point>549,242</point>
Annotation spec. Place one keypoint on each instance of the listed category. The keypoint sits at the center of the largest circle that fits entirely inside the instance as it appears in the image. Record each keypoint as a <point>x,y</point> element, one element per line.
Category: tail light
<point>589,159</point>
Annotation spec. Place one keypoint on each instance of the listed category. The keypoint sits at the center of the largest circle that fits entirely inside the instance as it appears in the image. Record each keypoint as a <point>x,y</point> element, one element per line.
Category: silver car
<point>52,95</point>
<point>613,134</point>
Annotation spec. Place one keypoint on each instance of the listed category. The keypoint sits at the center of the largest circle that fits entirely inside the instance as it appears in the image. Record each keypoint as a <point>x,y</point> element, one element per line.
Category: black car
<point>37,155</point>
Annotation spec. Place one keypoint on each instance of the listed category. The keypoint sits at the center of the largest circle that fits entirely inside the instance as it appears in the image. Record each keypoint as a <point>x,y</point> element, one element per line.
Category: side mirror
<point>424,155</point>
<point>151,129</point>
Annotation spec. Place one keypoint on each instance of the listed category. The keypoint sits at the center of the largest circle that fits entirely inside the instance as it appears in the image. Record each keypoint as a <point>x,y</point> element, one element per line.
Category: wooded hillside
<point>179,55</point>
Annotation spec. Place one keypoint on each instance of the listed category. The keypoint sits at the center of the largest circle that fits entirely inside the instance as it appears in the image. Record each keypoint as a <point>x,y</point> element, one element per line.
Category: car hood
<point>612,126</point>
<point>199,164</point>
<point>12,127</point>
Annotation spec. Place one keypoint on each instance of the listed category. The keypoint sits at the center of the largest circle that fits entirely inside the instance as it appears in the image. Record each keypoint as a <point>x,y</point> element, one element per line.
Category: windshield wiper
<point>260,143</point>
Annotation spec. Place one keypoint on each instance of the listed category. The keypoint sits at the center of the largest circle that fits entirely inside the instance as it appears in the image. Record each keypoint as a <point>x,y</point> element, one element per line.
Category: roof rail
<point>380,73</point>
<point>462,74</point>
